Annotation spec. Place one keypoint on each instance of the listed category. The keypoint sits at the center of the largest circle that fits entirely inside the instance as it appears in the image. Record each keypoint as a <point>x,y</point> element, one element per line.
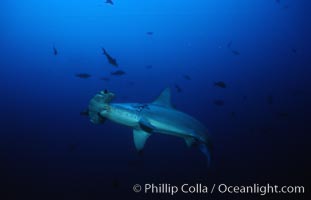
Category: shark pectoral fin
<point>96,118</point>
<point>146,126</point>
<point>140,138</point>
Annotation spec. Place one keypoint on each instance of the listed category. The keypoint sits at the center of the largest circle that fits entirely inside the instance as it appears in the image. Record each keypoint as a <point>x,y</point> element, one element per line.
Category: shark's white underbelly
<point>167,128</point>
<point>175,123</point>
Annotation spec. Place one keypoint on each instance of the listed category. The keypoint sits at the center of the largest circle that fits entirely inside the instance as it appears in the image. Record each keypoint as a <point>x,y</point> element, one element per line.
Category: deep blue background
<point>47,150</point>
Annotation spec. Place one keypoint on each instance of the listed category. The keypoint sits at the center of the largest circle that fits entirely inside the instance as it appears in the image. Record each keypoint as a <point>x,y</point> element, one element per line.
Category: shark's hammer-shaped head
<point>99,104</point>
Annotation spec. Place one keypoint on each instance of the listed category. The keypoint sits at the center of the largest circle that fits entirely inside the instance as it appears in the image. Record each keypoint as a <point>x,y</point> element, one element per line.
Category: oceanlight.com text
<point>199,188</point>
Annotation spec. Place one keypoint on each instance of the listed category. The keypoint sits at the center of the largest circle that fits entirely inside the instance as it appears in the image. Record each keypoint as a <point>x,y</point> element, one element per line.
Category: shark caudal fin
<point>205,147</point>
<point>97,104</point>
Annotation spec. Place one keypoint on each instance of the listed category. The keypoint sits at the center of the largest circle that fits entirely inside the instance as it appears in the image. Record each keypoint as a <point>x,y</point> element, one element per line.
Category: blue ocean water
<point>259,123</point>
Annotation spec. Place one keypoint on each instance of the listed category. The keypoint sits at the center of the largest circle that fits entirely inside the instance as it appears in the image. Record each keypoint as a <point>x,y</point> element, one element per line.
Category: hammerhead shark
<point>148,119</point>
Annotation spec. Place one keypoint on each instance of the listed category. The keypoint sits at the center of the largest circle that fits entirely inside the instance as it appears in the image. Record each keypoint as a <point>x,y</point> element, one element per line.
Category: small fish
<point>118,73</point>
<point>55,52</point>
<point>235,52</point>
<point>232,114</point>
<point>105,79</point>
<point>219,102</point>
<point>110,59</point>
<point>109,2</point>
<point>85,113</point>
<point>148,66</point>
<point>178,88</point>
<point>220,84</point>
<point>187,77</point>
<point>149,33</point>
<point>83,75</point>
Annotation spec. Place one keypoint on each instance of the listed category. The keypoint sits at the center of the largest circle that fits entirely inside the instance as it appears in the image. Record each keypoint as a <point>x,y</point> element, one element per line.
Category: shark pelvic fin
<point>164,99</point>
<point>146,126</point>
<point>140,138</point>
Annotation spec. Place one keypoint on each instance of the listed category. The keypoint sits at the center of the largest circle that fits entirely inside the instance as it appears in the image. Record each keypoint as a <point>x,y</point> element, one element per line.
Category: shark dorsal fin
<point>164,99</point>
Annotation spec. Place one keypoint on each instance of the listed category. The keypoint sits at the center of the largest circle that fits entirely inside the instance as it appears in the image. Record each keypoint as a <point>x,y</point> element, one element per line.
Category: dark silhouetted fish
<point>235,52</point>
<point>105,79</point>
<point>85,112</point>
<point>187,77</point>
<point>219,102</point>
<point>270,99</point>
<point>220,84</point>
<point>118,73</point>
<point>148,66</point>
<point>284,6</point>
<point>149,33</point>
<point>110,59</point>
<point>55,52</point>
<point>83,75</point>
<point>178,88</point>
<point>232,114</point>
<point>109,2</point>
